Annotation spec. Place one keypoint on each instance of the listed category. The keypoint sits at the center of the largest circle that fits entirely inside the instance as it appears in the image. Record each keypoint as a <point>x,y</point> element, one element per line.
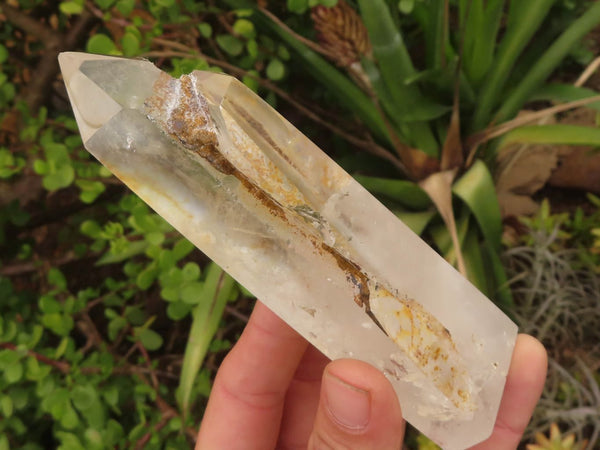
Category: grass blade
<point>485,269</point>
<point>205,322</point>
<point>397,112</point>
<point>416,221</point>
<point>396,67</point>
<point>553,134</point>
<point>500,291</point>
<point>431,19</point>
<point>481,34</point>
<point>441,84</point>
<point>563,93</point>
<point>386,39</point>
<point>542,40</point>
<point>524,20</point>
<point>476,188</point>
<point>404,192</point>
<point>474,141</point>
<point>474,262</point>
<point>548,62</point>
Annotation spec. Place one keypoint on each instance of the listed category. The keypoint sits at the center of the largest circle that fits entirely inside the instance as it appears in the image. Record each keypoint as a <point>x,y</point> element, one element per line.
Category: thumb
<point>358,409</point>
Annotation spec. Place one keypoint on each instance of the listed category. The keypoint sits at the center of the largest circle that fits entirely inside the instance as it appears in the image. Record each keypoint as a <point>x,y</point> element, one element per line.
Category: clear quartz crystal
<point>266,204</point>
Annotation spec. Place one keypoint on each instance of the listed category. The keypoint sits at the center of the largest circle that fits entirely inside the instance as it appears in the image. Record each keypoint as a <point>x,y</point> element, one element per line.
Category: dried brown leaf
<point>452,153</point>
<point>439,188</point>
<point>522,170</point>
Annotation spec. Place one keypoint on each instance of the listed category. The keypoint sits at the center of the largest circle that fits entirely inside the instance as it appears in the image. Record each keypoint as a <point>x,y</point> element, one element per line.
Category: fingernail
<point>350,406</point>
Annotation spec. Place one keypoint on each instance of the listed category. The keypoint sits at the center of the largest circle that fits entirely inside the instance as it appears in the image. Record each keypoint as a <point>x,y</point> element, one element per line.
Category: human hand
<point>274,390</point>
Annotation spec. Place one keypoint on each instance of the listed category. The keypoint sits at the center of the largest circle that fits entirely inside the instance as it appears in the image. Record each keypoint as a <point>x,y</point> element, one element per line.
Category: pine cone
<point>342,33</point>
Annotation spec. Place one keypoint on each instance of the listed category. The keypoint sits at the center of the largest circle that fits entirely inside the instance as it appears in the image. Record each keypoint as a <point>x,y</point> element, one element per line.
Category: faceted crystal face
<point>280,216</point>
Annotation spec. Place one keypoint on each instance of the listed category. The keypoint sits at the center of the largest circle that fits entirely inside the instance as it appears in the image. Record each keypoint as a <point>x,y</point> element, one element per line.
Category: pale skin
<point>274,390</point>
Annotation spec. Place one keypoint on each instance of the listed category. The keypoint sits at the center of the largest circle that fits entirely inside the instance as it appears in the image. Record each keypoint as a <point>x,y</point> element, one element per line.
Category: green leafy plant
<point>555,281</point>
<point>83,394</point>
<point>98,292</point>
<point>443,122</point>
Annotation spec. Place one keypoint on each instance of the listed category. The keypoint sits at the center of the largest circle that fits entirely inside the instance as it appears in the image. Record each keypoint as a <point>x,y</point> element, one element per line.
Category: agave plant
<point>443,122</point>
<point>556,441</point>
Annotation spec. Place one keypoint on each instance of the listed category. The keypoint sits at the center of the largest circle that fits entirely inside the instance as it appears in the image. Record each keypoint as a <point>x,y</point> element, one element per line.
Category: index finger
<point>247,398</point>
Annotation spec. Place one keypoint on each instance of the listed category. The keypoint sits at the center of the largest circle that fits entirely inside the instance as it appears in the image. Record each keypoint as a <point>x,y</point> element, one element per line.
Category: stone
<point>267,205</point>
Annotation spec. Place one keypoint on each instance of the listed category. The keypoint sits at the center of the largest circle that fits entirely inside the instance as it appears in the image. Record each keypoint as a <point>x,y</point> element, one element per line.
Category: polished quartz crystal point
<point>280,216</point>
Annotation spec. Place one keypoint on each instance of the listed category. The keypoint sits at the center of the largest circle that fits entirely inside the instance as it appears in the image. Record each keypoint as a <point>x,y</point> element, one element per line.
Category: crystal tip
<point>92,106</point>
<point>70,62</point>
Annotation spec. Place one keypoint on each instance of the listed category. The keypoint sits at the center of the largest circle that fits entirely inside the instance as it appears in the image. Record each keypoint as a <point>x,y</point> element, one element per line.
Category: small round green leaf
<point>205,29</point>
<point>101,44</point>
<point>252,48</point>
<point>6,406</point>
<point>111,395</point>
<point>19,397</point>
<point>230,44</point>
<point>275,70</point>
<point>130,44</point>
<point>191,293</point>
<point>191,271</point>
<point>146,277</point>
<point>13,372</point>
<point>49,305</point>
<point>40,167</point>
<point>57,323</point>
<point>36,371</point>
<point>83,396</point>
<point>116,325</point>
<point>104,4</point>
<point>172,278</point>
<point>170,294</point>
<point>251,81</point>
<point>90,228</point>
<point>175,424</point>
<point>90,190</point>
<point>244,28</point>
<point>178,310</point>
<point>166,260</point>
<point>69,418</point>
<point>10,164</point>
<point>297,6</point>
<point>135,315</point>
<point>57,279</point>
<point>155,238</point>
<point>150,339</point>
<point>3,54</point>
<point>62,177</point>
<point>125,7</point>
<point>62,347</point>
<point>406,6</point>
<point>283,52</point>
<point>71,8</point>
<point>8,358</point>
<point>182,248</point>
